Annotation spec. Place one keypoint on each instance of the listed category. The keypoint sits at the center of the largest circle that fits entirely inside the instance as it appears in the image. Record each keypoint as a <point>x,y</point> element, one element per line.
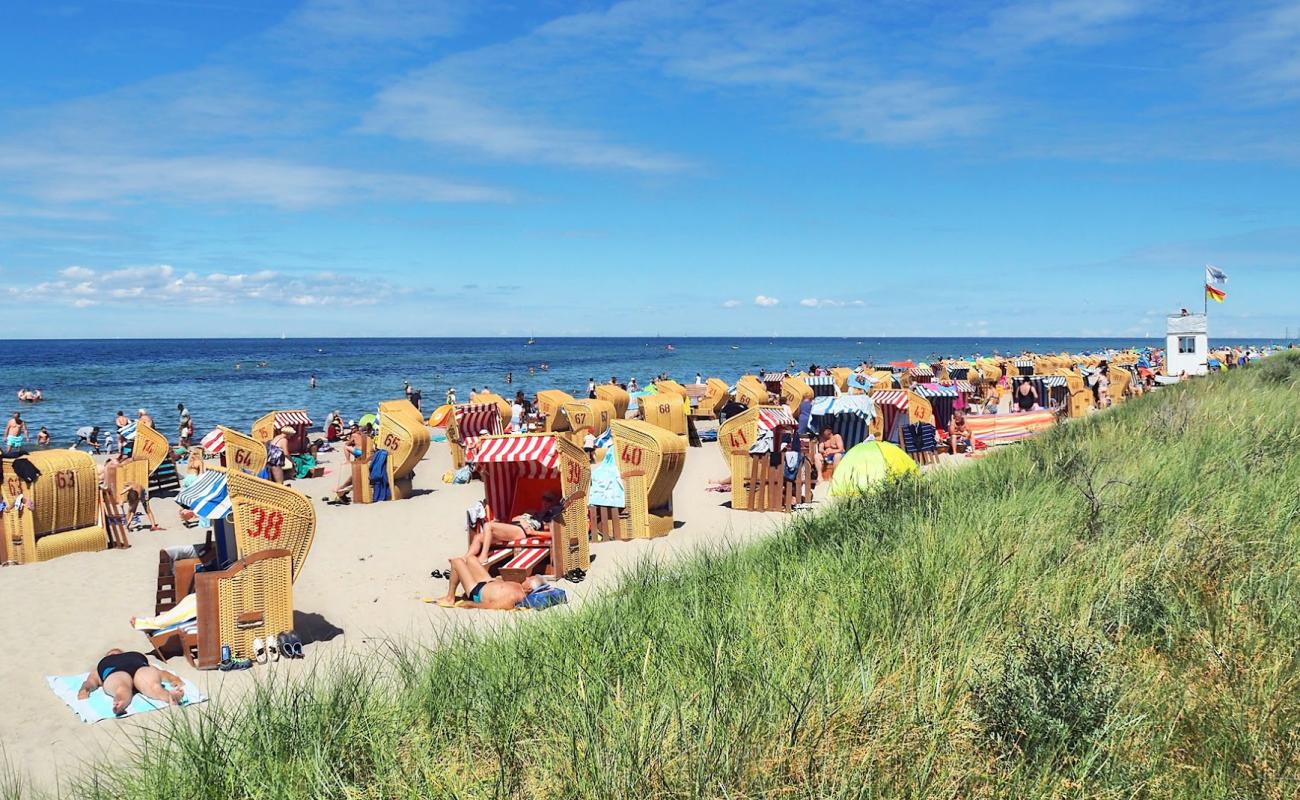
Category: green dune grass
<point>1111,610</point>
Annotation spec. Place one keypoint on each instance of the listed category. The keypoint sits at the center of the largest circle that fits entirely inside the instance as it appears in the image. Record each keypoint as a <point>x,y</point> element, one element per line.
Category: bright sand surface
<point>362,585</point>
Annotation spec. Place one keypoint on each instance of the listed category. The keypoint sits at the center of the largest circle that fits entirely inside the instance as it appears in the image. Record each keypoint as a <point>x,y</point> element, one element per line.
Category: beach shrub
<point>1143,610</point>
<point>1280,368</point>
<point>1049,694</point>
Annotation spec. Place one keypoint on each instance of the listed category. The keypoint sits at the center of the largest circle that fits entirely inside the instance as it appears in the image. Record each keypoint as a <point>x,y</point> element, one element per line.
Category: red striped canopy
<point>891,397</point>
<point>214,442</point>
<point>526,448</point>
<point>475,417</point>
<point>771,418</point>
<point>299,419</point>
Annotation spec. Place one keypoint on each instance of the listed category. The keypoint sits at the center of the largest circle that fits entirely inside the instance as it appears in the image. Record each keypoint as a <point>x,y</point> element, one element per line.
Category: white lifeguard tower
<point>1187,344</point>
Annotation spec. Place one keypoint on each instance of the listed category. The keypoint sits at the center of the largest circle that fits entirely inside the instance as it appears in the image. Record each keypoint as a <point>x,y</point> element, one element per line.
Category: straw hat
<point>288,429</point>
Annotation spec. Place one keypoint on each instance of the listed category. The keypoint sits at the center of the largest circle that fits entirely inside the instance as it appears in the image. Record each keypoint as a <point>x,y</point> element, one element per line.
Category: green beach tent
<point>867,464</point>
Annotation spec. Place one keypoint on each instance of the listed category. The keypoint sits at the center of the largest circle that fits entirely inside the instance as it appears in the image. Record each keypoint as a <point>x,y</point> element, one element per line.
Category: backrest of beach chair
<point>263,428</point>
<point>502,404</point>
<point>270,516</point>
<point>242,453</point>
<point>581,416</point>
<point>650,461</point>
<point>616,396</point>
<point>403,434</point>
<point>151,446</point>
<point>670,386</point>
<point>750,391</point>
<point>794,391</point>
<point>549,402</point>
<point>65,514</point>
<point>666,411</point>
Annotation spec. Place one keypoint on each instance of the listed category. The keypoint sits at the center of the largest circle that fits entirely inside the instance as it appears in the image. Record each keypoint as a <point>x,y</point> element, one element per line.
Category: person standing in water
<point>311,382</point>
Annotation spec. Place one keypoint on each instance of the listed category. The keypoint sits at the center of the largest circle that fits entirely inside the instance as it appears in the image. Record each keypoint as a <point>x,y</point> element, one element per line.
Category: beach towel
<point>99,706</point>
<point>379,488</point>
<point>607,484</point>
<point>208,496</point>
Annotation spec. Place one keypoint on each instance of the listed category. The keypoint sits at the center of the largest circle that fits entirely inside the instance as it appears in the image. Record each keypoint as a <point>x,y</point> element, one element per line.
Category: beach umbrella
<point>440,416</point>
<point>368,419</point>
<point>867,464</point>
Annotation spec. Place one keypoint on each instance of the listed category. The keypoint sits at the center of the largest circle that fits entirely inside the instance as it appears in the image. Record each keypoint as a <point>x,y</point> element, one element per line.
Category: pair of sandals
<point>286,645</point>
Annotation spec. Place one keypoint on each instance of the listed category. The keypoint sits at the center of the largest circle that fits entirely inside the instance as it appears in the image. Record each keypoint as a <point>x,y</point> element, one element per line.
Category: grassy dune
<point>1112,610</point>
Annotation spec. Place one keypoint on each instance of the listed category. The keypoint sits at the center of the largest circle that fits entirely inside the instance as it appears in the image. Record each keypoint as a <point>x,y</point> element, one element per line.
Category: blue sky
<point>339,167</point>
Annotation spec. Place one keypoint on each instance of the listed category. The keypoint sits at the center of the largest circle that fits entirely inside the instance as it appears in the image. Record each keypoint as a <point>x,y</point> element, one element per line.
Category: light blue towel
<point>99,706</point>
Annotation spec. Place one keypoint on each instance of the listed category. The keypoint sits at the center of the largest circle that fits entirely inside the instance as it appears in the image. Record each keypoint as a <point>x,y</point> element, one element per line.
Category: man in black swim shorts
<point>122,674</point>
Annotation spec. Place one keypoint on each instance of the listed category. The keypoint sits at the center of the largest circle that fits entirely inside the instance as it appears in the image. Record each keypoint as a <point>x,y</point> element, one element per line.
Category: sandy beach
<point>363,584</point>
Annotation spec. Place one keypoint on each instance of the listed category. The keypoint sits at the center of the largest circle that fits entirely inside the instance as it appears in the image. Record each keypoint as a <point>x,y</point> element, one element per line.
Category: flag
<point>1215,276</point>
<point>1214,293</point>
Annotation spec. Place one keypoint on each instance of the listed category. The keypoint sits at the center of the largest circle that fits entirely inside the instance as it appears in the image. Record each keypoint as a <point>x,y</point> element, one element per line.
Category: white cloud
<point>765,301</point>
<point>813,302</point>
<point>1024,25</point>
<point>731,304</point>
<point>430,108</point>
<point>74,177</point>
<point>81,287</point>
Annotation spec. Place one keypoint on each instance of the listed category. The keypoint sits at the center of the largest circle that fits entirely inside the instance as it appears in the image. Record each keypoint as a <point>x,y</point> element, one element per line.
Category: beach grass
<point>1110,610</point>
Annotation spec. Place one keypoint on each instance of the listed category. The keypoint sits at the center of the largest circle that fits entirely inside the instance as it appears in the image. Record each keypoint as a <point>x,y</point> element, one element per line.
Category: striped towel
<point>183,616</point>
<point>127,431</point>
<point>208,496</point>
<point>214,442</point>
<point>605,439</point>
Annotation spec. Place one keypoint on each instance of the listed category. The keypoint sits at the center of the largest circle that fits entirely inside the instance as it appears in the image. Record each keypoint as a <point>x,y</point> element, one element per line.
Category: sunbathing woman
<point>522,526</point>
<point>481,589</point>
<point>123,674</point>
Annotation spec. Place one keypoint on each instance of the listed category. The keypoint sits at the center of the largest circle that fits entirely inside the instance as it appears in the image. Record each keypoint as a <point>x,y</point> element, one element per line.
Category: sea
<point>235,381</point>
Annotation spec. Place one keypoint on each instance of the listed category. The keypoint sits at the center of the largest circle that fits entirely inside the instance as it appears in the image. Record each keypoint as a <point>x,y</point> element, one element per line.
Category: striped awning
<point>518,450</point>
<point>475,417</point>
<point>820,380</point>
<point>773,377</point>
<point>298,419</point>
<point>214,442</point>
<point>208,496</point>
<point>928,390</point>
<point>890,397</point>
<point>1023,362</point>
<point>965,387</point>
<point>771,418</point>
<point>921,372</point>
<point>1054,380</point>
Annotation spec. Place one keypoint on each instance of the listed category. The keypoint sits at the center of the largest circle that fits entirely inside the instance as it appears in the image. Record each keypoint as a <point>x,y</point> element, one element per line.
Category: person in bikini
<point>521,527</point>
<point>481,590</point>
<point>122,674</point>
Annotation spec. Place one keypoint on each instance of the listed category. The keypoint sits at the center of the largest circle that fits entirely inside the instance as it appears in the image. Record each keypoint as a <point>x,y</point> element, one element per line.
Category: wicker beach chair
<point>548,405</point>
<point>650,461</point>
<point>617,396</point>
<point>751,392</point>
<point>273,529</point>
<point>403,434</point>
<point>502,404</point>
<point>64,517</point>
<point>464,424</point>
<point>265,428</point>
<point>756,483</point>
<point>716,395</point>
<point>517,470</point>
<point>580,417</point>
<point>668,411</point>
<point>794,391</point>
<point>240,452</point>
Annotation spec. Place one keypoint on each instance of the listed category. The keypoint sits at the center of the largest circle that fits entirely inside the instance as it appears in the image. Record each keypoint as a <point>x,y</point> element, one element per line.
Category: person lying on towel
<point>481,590</point>
<point>521,527</point>
<point>122,674</point>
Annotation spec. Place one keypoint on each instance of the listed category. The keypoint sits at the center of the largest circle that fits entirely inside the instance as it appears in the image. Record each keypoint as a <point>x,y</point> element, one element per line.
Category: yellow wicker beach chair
<point>751,392</point>
<point>1120,380</point>
<point>666,411</point>
<point>842,375</point>
<point>502,404</point>
<point>716,395</point>
<point>265,428</point>
<point>1081,398</point>
<point>668,385</point>
<point>274,527</point>
<point>756,485</point>
<point>403,434</point>
<point>615,395</point>
<point>65,516</point>
<point>650,461</point>
<point>794,391</point>
<point>151,446</point>
<point>242,453</point>
<point>548,404</point>
<point>575,419</point>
